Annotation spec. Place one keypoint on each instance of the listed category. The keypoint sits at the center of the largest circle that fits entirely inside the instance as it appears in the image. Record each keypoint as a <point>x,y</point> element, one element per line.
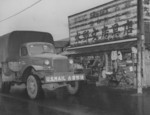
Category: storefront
<point>109,33</point>
<point>124,52</point>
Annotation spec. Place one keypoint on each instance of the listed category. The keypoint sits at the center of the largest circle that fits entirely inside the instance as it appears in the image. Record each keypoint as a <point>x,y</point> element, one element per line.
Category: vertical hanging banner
<point>146,7</point>
<point>116,20</point>
<point>146,17</point>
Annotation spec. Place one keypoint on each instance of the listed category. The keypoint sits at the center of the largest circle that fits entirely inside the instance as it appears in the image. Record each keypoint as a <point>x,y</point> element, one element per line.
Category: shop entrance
<point>112,68</point>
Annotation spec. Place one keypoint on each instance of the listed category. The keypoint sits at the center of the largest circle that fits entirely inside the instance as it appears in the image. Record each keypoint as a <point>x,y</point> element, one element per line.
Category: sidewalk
<point>117,100</point>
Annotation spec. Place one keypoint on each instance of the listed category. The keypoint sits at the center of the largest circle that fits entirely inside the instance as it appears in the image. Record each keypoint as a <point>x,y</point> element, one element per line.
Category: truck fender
<point>15,66</point>
<point>5,69</point>
<point>28,70</point>
<point>37,67</point>
<point>7,74</point>
<point>8,78</point>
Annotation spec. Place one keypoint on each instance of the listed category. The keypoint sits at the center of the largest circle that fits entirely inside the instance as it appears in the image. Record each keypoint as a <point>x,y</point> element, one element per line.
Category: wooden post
<point>143,61</point>
<point>106,61</point>
<point>140,45</point>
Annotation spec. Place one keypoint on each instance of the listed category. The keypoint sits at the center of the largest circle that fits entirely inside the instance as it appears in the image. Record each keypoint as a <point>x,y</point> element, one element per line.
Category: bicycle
<point>119,77</point>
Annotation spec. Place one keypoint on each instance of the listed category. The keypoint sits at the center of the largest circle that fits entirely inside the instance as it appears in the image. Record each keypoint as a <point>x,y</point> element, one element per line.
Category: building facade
<point>109,32</point>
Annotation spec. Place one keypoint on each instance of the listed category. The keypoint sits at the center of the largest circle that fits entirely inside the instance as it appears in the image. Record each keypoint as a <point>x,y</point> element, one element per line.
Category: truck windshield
<point>36,49</point>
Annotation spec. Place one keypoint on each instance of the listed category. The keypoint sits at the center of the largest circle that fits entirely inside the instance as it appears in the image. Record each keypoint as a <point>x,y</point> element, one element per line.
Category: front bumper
<point>64,77</point>
<point>53,86</point>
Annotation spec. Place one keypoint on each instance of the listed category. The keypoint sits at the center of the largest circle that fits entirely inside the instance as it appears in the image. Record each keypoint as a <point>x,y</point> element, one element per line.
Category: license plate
<point>62,78</point>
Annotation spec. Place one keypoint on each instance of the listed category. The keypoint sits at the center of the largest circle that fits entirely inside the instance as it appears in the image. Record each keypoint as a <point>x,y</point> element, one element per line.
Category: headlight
<point>46,62</point>
<point>71,61</point>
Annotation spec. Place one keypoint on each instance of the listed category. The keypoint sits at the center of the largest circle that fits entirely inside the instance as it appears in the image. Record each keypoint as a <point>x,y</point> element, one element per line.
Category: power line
<point>20,11</point>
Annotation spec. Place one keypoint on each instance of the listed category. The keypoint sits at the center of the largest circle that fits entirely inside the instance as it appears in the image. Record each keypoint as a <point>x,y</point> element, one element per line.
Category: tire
<point>33,86</point>
<point>6,86</point>
<point>73,88</point>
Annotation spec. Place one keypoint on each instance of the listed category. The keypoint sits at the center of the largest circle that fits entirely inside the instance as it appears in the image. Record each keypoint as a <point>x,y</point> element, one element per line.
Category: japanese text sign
<point>112,21</point>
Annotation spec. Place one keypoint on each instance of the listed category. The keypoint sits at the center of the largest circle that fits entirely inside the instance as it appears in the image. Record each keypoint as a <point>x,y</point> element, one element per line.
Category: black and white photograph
<point>74,57</point>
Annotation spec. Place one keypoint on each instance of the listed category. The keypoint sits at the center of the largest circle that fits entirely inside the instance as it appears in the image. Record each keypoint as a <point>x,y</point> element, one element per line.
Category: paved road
<point>91,101</point>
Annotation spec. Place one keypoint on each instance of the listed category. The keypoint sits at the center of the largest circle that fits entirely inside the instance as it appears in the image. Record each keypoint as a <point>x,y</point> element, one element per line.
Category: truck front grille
<point>61,65</point>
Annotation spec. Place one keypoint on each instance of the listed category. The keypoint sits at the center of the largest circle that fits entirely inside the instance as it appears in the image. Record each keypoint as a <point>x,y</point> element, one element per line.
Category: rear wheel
<point>6,86</point>
<point>34,89</point>
<point>73,87</point>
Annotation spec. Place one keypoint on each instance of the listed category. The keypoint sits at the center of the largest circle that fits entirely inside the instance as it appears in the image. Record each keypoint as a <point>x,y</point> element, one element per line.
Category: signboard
<point>115,20</point>
<point>60,78</point>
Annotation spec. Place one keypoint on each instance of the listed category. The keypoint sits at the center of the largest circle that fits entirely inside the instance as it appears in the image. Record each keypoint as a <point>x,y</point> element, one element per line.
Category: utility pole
<point>140,45</point>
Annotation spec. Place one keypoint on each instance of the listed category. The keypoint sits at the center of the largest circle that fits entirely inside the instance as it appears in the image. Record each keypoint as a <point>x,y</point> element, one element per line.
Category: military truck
<point>28,57</point>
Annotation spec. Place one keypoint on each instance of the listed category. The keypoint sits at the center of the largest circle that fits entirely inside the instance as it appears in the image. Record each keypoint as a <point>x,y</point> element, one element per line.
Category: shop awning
<point>102,48</point>
<point>68,53</point>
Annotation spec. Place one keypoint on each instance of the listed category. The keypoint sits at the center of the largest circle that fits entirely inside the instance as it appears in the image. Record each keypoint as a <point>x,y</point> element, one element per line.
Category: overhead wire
<point>20,11</point>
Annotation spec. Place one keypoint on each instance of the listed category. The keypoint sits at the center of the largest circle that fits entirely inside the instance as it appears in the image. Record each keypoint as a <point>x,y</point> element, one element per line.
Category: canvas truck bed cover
<point>10,43</point>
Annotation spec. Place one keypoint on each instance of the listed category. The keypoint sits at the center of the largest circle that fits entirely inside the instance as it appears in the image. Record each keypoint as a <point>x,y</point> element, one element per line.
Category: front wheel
<point>34,89</point>
<point>73,87</point>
